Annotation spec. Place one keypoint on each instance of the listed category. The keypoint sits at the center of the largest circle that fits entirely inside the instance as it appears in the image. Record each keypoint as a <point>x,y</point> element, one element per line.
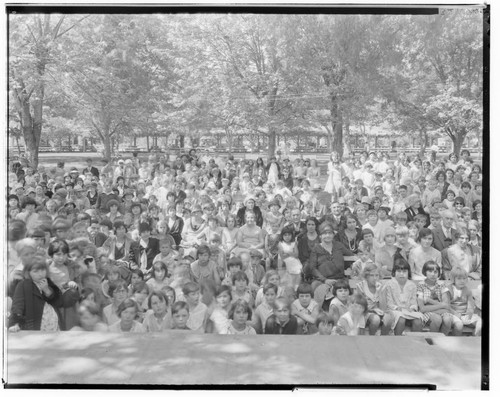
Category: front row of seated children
<point>155,306</point>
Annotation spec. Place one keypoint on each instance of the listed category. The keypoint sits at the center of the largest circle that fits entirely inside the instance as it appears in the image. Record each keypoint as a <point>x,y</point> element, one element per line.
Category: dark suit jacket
<point>439,242</point>
<point>93,170</point>
<point>152,250</point>
<point>176,230</point>
<point>412,213</point>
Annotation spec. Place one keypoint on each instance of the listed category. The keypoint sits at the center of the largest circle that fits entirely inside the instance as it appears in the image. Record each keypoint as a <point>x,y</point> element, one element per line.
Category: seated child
<point>136,275</point>
<point>339,304</point>
<point>89,320</point>
<point>281,321</point>
<point>180,316</point>
<point>364,259</point>
<point>305,308</point>
<point>272,277</point>
<point>372,290</point>
<point>461,301</point>
<point>430,292</point>
<point>217,254</point>
<point>127,312</point>
<point>118,292</point>
<point>219,321</point>
<point>140,293</point>
<point>161,277</point>
<point>240,313</point>
<point>265,309</point>
<point>167,254</point>
<point>241,289</point>
<point>353,322</point>
<point>111,275</point>
<point>234,265</point>
<point>197,310</point>
<point>203,268</point>
<point>158,318</point>
<point>326,325</point>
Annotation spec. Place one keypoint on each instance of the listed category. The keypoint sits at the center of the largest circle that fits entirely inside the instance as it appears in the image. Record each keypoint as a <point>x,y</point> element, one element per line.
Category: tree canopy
<point>112,75</point>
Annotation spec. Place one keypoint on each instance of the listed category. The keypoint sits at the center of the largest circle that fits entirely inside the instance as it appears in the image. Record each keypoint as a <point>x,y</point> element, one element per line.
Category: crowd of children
<point>244,247</point>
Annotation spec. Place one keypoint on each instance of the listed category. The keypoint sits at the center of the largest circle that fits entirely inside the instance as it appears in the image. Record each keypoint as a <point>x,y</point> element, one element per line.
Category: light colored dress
<point>334,180</point>
<point>50,320</point>
<point>373,298</point>
<point>136,327</point>
<point>313,173</point>
<point>401,301</point>
<point>109,315</point>
<point>272,176</point>
<point>350,326</point>
<point>230,330</point>
<point>196,319</point>
<point>417,258</point>
<point>151,323</point>
<point>293,265</point>
<point>220,320</point>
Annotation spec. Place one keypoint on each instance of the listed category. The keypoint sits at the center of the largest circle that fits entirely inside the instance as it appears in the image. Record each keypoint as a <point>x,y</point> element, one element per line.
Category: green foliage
<point>111,76</point>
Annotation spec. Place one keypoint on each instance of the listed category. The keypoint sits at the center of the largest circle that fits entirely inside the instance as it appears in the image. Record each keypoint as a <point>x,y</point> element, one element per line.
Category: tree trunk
<point>424,141</point>
<point>181,141</point>
<point>229,138</point>
<point>336,120</point>
<point>458,139</point>
<point>347,140</point>
<point>272,143</point>
<point>106,141</point>
<point>18,146</point>
<point>31,147</point>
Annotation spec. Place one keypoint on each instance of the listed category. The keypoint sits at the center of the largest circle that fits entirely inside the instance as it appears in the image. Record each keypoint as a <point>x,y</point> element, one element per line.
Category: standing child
<point>353,322</point>
<point>339,304</point>
<point>402,298</point>
<point>305,308</point>
<point>240,313</point>
<point>372,290</point>
<point>461,302</point>
<point>288,254</point>
<point>180,316</point>
<point>36,300</point>
<point>281,321</point>
<point>127,312</point>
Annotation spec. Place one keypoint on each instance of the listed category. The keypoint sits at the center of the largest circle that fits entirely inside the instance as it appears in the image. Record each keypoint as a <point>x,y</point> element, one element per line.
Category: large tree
<point>437,82</point>
<point>36,45</point>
